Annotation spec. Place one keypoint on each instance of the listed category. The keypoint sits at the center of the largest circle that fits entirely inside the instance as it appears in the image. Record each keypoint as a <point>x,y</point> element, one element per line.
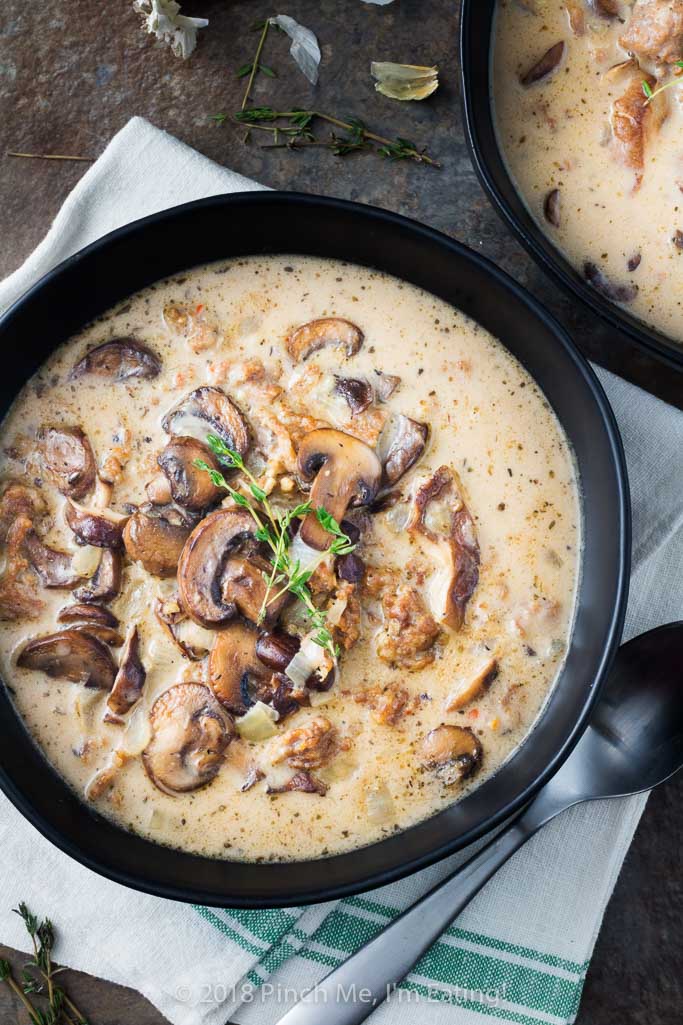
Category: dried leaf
<point>379,3</point>
<point>404,81</point>
<point>304,48</point>
<point>164,20</point>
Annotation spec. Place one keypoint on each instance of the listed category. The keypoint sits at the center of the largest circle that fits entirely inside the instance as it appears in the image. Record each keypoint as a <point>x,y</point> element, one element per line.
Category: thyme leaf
<point>650,93</point>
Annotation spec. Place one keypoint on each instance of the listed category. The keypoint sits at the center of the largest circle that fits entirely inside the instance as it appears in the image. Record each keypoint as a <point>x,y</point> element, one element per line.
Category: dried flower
<point>304,49</point>
<point>164,20</point>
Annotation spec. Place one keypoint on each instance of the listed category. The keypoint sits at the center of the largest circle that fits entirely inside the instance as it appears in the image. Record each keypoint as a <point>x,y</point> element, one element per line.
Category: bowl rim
<point>539,245</point>
<point>194,894</point>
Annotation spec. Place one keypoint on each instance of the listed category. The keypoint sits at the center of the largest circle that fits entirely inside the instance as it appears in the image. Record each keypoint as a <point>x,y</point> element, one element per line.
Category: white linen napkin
<point>521,949</point>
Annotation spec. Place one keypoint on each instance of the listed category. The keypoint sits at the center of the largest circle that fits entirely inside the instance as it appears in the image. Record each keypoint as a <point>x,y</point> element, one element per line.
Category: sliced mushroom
<point>551,208</point>
<point>441,516</point>
<point>52,566</point>
<point>101,530</point>
<point>106,634</point>
<point>326,332</point>
<point>71,655</point>
<point>276,649</point>
<point>618,293</point>
<point>545,66</point>
<point>453,752</point>
<point>209,410</point>
<point>190,732</point>
<point>81,611</point>
<point>243,585</point>
<point>400,446</point>
<point>606,8</point>
<point>358,393</point>
<point>105,585</point>
<point>68,460</point>
<point>473,688</point>
<point>344,471</point>
<point>189,486</point>
<point>155,542</point>
<point>386,385</point>
<point>304,782</point>
<point>237,677</point>
<point>119,360</point>
<point>130,678</point>
<point>202,562</point>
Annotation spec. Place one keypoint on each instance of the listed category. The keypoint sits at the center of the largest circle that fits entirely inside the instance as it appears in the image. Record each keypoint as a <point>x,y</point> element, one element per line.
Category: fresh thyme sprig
<point>61,1010</point>
<point>253,68</point>
<point>295,127</point>
<point>273,529</point>
<point>650,93</point>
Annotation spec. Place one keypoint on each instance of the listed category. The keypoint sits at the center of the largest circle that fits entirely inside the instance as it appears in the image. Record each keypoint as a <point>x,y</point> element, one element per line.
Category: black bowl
<point>272,222</point>
<point>476,24</point>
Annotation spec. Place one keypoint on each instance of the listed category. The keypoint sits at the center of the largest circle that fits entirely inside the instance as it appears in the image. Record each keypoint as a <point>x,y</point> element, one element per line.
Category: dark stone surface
<point>72,74</point>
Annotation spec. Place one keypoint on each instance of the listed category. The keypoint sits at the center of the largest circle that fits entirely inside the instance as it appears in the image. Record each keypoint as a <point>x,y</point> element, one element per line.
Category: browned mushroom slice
<point>402,443</point>
<point>618,293</point>
<point>253,776</point>
<point>441,516</point>
<point>202,563</point>
<point>106,583</point>
<point>344,470</point>
<point>543,67</point>
<point>473,688</point>
<point>101,530</point>
<point>81,611</point>
<point>304,782</point>
<point>119,360</point>
<point>130,678</point>
<point>106,634</point>
<point>276,649</point>
<point>189,486</point>
<point>155,542</point>
<point>358,393</point>
<point>243,585</point>
<point>52,566</point>
<point>236,675</point>
<point>576,13</point>
<point>190,732</point>
<point>68,460</point>
<point>209,410</point>
<point>19,500</point>
<point>386,385</point>
<point>326,332</point>
<point>453,752</point>
<point>551,208</point>
<point>71,655</point>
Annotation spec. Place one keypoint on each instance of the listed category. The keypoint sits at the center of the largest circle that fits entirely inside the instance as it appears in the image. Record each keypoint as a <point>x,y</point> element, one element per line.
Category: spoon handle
<point>353,990</point>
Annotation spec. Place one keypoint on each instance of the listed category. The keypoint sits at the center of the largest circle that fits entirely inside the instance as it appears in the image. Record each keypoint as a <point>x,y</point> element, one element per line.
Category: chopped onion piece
<point>137,733</point>
<point>379,804</point>
<point>85,561</point>
<point>300,668</point>
<point>307,557</point>
<point>258,723</point>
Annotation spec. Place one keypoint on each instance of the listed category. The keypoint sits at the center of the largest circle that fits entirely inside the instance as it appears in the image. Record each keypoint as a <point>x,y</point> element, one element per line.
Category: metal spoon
<point>633,743</point>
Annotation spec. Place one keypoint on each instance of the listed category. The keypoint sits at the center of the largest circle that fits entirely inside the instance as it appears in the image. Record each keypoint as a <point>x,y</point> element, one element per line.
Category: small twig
<point>6,976</point>
<point>255,65</point>
<point>49,156</point>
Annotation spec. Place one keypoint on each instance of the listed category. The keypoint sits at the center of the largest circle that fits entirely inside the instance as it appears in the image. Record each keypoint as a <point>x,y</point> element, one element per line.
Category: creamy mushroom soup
<point>588,99</point>
<point>290,556</point>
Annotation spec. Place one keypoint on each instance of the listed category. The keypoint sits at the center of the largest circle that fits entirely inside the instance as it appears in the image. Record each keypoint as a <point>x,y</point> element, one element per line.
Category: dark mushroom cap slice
<point>119,360</point>
<point>276,649</point>
<point>326,332</point>
<point>344,470</point>
<point>402,443</point>
<point>441,499</point>
<point>52,566</point>
<point>106,634</point>
<point>453,752</point>
<point>189,486</point>
<point>236,675</point>
<point>545,65</point>
<point>358,393</point>
<point>68,460</point>
<point>190,732</point>
<point>105,585</point>
<point>155,542</point>
<point>203,559</point>
<point>70,655</point>
<point>209,410</point>
<point>94,528</point>
<point>130,678</point>
<point>80,611</point>
<point>243,585</point>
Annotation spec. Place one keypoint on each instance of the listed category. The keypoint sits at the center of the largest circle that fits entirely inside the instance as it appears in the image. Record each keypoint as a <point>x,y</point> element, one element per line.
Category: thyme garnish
<point>61,1010</point>
<point>650,93</point>
<point>273,528</point>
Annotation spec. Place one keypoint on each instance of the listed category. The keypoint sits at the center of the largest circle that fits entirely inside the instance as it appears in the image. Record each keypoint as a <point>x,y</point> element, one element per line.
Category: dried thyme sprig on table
<point>60,1010</point>
<point>273,528</point>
